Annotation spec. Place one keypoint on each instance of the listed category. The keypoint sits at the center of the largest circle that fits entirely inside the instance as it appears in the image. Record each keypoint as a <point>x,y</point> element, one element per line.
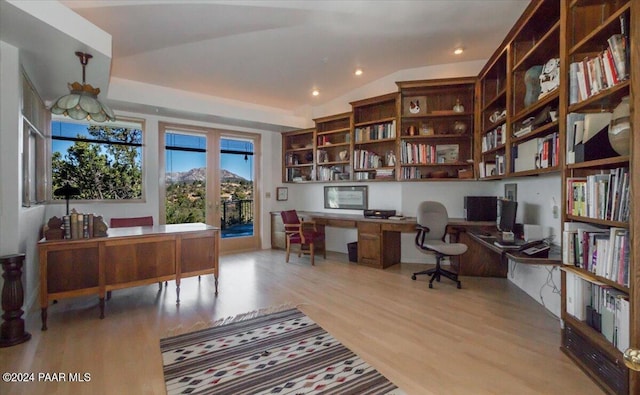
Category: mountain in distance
<point>200,174</point>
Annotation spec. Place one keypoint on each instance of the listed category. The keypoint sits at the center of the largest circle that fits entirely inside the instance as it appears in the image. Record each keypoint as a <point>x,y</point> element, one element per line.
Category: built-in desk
<point>483,253</point>
<point>379,242</point>
<point>379,239</point>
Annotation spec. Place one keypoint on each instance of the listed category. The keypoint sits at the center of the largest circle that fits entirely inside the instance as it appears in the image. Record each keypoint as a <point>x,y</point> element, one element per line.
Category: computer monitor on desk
<point>506,215</point>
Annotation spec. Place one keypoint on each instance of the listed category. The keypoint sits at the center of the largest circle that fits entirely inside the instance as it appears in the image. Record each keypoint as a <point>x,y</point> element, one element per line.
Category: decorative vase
<point>532,83</point>
<point>620,128</point>
<point>459,127</point>
<point>458,107</point>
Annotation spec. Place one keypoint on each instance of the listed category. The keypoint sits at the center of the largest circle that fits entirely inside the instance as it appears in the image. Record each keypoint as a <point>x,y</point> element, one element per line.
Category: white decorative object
<point>458,107</point>
<point>620,128</point>
<point>549,77</point>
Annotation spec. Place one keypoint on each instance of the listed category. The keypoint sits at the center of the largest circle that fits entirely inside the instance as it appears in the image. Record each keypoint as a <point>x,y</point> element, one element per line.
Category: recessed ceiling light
<point>458,51</point>
<point>358,72</point>
<point>315,92</point>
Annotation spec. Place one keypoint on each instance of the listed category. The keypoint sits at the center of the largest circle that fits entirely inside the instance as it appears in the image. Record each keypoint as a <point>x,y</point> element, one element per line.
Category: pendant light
<point>82,102</point>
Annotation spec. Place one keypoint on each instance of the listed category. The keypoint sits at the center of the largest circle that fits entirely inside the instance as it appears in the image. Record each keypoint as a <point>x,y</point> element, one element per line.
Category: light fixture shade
<point>82,101</point>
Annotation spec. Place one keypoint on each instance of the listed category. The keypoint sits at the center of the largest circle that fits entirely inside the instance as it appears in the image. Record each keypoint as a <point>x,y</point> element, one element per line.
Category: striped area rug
<point>279,353</point>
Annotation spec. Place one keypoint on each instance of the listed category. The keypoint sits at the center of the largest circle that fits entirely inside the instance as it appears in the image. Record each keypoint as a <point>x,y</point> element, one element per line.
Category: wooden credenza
<point>127,257</point>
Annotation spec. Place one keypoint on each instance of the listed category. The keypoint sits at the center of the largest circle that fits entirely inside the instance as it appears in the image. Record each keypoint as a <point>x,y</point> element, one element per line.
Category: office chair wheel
<point>413,277</point>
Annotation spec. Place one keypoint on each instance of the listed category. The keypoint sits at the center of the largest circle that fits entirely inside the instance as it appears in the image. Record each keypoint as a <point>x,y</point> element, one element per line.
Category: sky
<point>176,161</point>
<point>180,161</point>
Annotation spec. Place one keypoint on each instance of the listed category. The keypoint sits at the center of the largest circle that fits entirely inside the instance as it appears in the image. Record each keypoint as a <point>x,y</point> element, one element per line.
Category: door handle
<point>632,359</point>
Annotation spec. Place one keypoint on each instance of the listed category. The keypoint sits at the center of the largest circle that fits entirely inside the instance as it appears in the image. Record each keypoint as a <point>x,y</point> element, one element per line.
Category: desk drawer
<point>367,227</point>
<point>399,227</point>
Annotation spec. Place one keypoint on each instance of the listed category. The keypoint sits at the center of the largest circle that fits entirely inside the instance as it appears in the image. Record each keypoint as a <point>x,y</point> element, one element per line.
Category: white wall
<point>537,197</point>
<point>19,227</point>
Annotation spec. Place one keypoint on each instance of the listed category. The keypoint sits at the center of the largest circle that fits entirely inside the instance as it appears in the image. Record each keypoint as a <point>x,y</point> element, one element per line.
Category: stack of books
<point>595,74</point>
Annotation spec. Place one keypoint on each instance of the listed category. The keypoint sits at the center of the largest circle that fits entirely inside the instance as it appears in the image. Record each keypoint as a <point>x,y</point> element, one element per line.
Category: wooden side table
<point>12,329</point>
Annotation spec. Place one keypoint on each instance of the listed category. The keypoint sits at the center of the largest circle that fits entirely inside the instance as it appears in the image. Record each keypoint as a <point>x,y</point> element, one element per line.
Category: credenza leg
<point>101,308</point>
<point>43,316</point>
<point>216,283</point>
<point>177,293</point>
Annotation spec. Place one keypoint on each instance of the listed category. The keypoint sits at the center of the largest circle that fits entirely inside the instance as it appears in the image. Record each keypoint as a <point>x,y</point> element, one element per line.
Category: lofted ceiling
<point>274,53</point>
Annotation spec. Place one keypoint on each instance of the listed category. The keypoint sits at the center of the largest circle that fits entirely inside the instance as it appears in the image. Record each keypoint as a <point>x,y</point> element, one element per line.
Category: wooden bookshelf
<point>436,139</point>
<point>588,26</point>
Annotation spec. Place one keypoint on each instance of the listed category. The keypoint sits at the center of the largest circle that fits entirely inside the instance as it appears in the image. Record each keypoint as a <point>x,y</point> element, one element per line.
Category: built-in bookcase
<point>298,151</point>
<point>600,276</point>
<point>436,129</point>
<point>375,123</point>
<point>333,142</point>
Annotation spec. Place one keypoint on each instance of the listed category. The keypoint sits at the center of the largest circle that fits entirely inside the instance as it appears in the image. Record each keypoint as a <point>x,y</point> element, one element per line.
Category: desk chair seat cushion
<point>310,236</point>
<point>446,248</point>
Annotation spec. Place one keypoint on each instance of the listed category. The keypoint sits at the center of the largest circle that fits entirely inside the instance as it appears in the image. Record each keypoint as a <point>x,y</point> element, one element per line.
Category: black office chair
<point>432,219</point>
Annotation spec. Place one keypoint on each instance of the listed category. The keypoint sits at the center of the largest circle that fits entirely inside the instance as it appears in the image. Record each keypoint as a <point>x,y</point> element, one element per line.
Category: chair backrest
<point>434,216</point>
<point>131,221</point>
<point>290,217</point>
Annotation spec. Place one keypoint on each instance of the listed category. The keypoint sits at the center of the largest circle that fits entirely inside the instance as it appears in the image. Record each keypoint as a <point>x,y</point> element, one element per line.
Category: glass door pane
<point>237,204</point>
<point>185,178</point>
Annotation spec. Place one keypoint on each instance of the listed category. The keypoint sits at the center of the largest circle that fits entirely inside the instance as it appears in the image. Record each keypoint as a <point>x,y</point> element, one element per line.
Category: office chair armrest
<point>422,231</point>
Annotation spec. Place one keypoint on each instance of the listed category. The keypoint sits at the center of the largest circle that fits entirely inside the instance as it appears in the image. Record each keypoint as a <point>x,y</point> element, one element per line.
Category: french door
<point>211,176</point>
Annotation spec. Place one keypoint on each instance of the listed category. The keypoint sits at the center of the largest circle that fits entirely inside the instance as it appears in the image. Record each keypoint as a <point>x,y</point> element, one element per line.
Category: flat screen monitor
<point>506,215</point>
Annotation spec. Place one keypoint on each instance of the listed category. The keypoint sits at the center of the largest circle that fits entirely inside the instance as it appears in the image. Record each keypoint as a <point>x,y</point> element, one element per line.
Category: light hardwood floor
<point>487,338</point>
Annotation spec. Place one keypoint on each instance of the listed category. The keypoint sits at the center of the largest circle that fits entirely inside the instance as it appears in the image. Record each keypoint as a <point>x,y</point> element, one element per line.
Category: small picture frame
<point>414,106</point>
<point>282,193</point>
<point>511,192</point>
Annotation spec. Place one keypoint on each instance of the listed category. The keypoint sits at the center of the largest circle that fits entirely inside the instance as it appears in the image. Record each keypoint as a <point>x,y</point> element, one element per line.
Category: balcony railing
<point>237,218</point>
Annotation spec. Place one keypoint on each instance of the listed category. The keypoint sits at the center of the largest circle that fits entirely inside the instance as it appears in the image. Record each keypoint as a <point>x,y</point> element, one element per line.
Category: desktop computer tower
<point>480,208</point>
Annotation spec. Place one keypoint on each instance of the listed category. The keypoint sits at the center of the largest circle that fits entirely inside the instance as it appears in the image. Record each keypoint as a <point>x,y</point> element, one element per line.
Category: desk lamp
<point>67,191</point>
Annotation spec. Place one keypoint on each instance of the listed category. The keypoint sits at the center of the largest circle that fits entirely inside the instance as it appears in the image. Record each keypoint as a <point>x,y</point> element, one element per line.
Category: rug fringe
<point>200,325</point>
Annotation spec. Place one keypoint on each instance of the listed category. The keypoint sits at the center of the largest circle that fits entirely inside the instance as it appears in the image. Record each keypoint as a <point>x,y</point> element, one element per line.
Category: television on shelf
<point>506,215</point>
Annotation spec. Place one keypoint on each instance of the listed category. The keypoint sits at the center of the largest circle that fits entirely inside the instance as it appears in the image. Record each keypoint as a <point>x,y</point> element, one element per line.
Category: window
<point>103,160</point>
<point>33,172</point>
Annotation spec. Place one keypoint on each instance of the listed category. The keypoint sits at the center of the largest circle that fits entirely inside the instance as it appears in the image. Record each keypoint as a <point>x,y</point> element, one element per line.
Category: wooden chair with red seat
<point>128,222</point>
<point>303,233</point>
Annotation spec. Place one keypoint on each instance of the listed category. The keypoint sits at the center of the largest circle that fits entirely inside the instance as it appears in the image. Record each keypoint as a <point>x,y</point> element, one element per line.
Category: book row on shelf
<point>603,252</point>
<point>420,153</point>
<point>379,131</point>
<point>412,173</point>
<point>333,173</point>
<point>495,168</point>
<point>537,153</point>
<point>595,74</point>
<point>364,159</point>
<point>602,307</point>
<point>602,196</point>
<point>494,138</point>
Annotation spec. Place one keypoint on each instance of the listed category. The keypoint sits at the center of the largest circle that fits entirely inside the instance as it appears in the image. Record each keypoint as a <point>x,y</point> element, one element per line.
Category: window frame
<point>119,121</point>
<point>34,173</point>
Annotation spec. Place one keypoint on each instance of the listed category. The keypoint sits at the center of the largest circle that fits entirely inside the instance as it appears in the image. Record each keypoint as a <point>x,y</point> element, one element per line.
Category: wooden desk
<point>482,250</point>
<point>378,239</point>
<point>127,257</point>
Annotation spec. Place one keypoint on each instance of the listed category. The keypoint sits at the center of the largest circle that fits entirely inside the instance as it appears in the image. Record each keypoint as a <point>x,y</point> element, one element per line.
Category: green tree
<point>109,168</point>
